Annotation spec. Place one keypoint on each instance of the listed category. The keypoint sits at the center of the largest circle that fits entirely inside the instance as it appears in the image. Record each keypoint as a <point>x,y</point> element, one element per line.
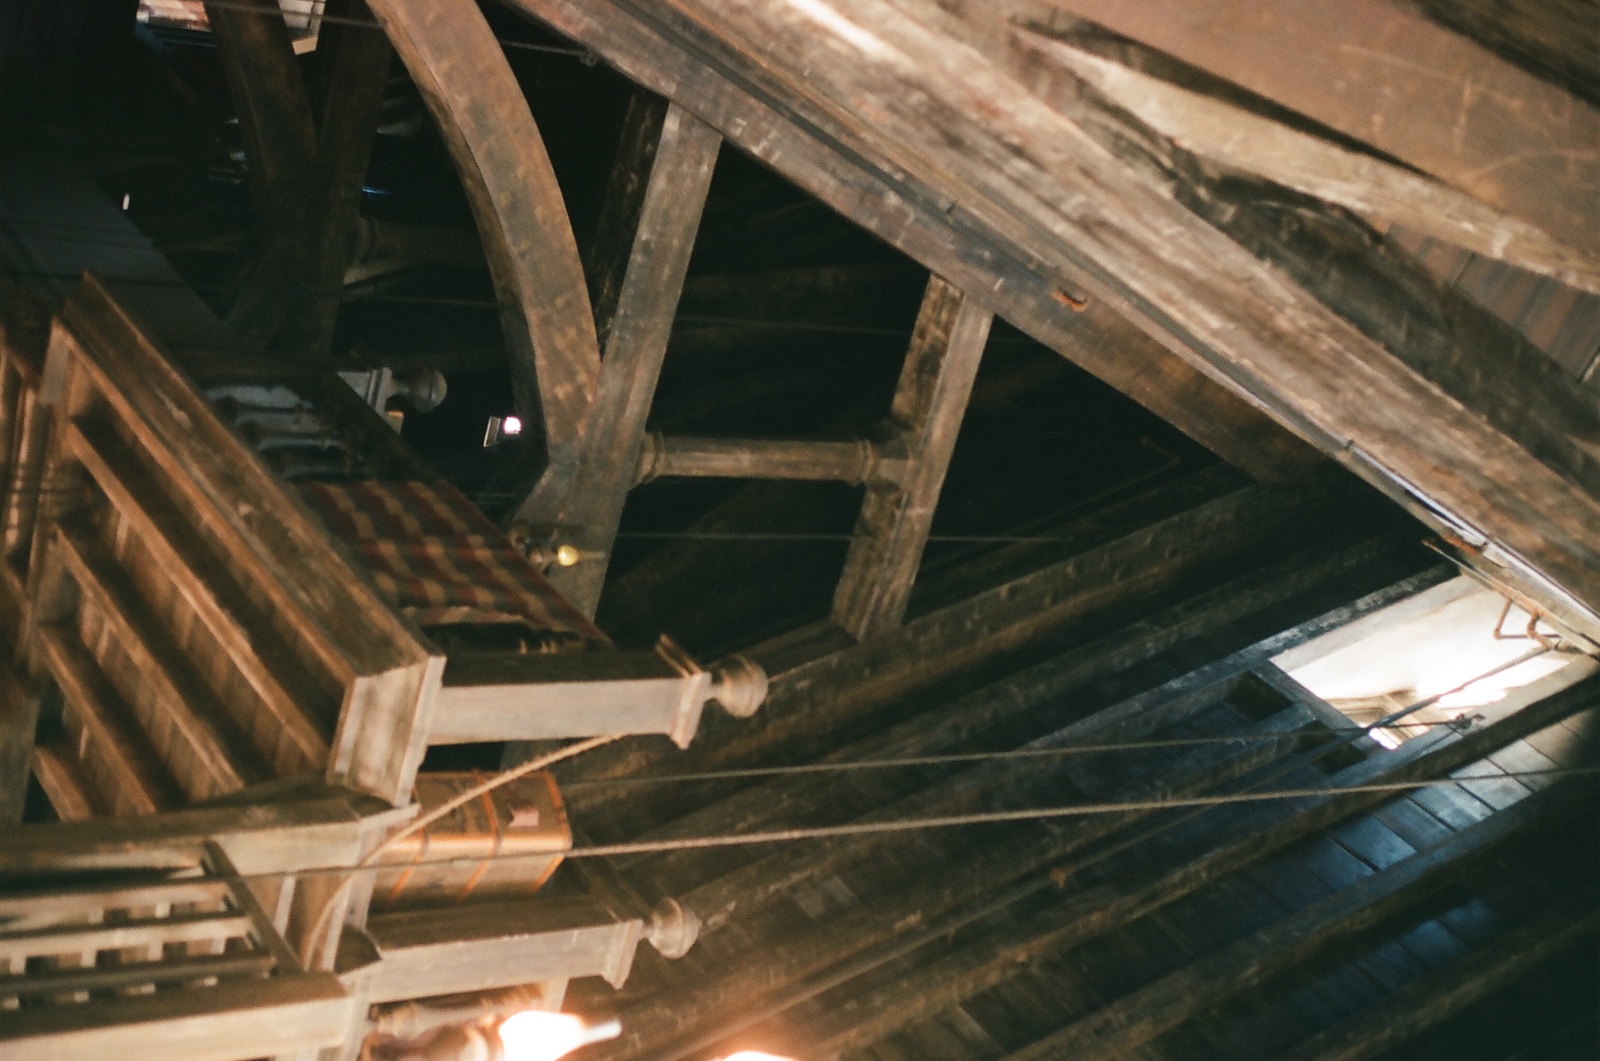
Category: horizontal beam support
<point>480,946</point>
<point>504,696</point>
<point>859,461</point>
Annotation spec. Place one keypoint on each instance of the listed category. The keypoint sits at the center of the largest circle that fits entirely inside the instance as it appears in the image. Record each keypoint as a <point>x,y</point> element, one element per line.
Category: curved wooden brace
<point>463,75</point>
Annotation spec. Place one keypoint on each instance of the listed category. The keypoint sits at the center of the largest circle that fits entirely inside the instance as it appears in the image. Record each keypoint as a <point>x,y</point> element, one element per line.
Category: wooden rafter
<point>1411,88</point>
<point>902,90</point>
<point>829,161</point>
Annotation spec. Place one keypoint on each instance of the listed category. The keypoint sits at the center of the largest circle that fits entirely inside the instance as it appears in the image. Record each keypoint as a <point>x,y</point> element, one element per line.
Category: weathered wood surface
<point>545,312</point>
<point>19,718</point>
<point>1411,88</point>
<point>910,212</point>
<point>1381,191</point>
<point>665,456</point>
<point>478,946</point>
<point>929,404</point>
<point>1132,1021</point>
<point>355,643</point>
<point>637,320</point>
<point>896,89</point>
<point>1457,987</point>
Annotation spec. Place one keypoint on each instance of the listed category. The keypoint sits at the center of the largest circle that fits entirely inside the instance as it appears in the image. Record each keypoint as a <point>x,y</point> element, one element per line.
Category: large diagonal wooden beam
<point>728,93</point>
<point>1409,87</point>
<point>636,341</point>
<point>1379,190</point>
<point>900,89</point>
<point>462,73</point>
<point>929,402</point>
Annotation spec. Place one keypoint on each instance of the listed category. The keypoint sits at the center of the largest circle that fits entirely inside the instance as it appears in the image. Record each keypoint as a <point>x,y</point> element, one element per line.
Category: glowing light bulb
<point>539,1036</point>
<point>511,425</point>
<point>567,555</point>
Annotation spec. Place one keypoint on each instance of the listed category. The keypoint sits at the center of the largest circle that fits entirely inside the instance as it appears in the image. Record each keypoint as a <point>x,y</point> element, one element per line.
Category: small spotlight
<point>501,428</point>
<point>511,425</point>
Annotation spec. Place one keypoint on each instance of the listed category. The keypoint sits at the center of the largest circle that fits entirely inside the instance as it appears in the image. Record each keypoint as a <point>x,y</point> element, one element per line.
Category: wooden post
<point>946,347</point>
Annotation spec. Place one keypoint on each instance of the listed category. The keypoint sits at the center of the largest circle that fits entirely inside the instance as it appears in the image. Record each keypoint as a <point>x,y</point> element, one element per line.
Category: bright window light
<point>1441,643</point>
<point>539,1036</point>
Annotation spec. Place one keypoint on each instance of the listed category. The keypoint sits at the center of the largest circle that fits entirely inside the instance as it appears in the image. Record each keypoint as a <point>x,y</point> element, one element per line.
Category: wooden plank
<point>274,115</point>
<point>477,946</point>
<point>222,1023</point>
<point>267,666</point>
<point>1033,177</point>
<point>222,754</point>
<point>179,928</point>
<point>459,66</point>
<point>930,227</point>
<point>1378,190</point>
<point>19,719</point>
<point>929,402</point>
<point>1456,987</point>
<point>1389,77</point>
<point>137,974</point>
<point>140,784</point>
<point>1138,1018</point>
<point>605,264</point>
<point>674,196</point>
<point>68,791</point>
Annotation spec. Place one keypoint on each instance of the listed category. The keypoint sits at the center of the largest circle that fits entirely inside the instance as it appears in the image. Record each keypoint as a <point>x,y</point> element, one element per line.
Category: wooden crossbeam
<point>1411,88</point>
<point>930,400</point>
<point>827,159</point>
<point>636,341</point>
<point>665,456</point>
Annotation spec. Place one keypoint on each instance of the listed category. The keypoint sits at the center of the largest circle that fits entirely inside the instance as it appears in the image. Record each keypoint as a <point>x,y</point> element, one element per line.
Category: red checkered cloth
<point>439,560</point>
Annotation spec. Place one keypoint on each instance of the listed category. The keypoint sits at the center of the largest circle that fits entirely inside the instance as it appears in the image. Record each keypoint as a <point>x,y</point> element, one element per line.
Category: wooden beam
<point>462,72</point>
<point>1132,1021</point>
<point>605,265</point>
<point>1388,76</point>
<point>665,456</point>
<point>502,696</point>
<point>1458,986</point>
<point>729,92</point>
<point>19,720</point>
<point>1380,191</point>
<point>929,403</point>
<point>269,98</point>
<point>907,93</point>
<point>355,62</point>
<point>479,946</point>
<point>636,341</point>
<point>1232,845</point>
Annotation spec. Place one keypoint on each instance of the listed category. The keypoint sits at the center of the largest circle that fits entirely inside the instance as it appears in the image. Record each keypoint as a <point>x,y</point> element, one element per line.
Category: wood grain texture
<point>929,402</point>
<point>545,311</point>
<point>1409,87</point>
<point>916,216</point>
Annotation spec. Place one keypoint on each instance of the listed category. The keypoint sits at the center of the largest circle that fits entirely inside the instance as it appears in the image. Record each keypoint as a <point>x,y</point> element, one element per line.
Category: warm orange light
<point>539,1036</point>
<point>755,1055</point>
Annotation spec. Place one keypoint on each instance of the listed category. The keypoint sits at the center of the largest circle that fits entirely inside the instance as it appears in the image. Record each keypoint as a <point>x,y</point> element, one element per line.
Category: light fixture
<point>511,425</point>
<point>535,1035</point>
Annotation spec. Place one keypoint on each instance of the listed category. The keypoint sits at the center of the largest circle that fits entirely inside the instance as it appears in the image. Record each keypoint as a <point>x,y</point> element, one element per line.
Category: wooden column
<point>636,342</point>
<point>929,403</point>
